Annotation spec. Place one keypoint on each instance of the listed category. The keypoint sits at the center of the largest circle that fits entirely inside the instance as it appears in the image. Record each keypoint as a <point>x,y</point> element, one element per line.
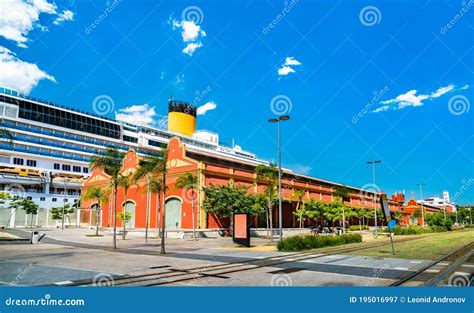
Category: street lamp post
<point>280,221</point>
<point>375,199</point>
<point>421,204</point>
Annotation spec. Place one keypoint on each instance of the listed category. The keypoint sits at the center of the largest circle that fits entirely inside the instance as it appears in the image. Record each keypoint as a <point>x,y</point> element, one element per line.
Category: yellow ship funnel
<point>181,117</point>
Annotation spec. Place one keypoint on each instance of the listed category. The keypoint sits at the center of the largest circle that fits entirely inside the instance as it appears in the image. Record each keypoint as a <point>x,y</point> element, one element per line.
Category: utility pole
<point>374,195</point>
<point>280,215</point>
<point>421,204</point>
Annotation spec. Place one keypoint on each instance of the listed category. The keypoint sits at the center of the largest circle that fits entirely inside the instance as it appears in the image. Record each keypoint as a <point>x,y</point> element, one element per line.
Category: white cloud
<point>191,47</point>
<point>191,34</point>
<point>18,18</point>
<point>285,70</point>
<point>441,91</point>
<point>300,169</point>
<point>206,107</point>
<point>287,67</point>
<point>292,61</point>
<point>66,15</point>
<point>19,75</point>
<point>413,99</point>
<point>137,114</point>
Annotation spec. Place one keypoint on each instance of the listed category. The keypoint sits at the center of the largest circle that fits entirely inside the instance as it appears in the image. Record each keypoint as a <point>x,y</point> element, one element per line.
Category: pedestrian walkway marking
<point>443,263</point>
<point>401,268</point>
<point>432,271</point>
<point>468,265</point>
<point>66,282</point>
<point>416,262</point>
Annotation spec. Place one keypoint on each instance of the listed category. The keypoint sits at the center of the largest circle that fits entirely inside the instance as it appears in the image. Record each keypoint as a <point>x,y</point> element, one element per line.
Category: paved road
<point>67,257</point>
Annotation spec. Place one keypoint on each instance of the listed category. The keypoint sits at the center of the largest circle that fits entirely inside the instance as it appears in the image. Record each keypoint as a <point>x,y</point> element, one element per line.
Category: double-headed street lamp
<point>375,199</point>
<point>280,222</point>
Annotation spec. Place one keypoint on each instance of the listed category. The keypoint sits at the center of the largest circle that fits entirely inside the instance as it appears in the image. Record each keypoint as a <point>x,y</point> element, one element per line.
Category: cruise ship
<point>48,158</point>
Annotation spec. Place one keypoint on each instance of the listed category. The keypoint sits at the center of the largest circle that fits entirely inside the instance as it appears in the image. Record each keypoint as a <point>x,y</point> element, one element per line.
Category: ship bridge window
<point>130,139</point>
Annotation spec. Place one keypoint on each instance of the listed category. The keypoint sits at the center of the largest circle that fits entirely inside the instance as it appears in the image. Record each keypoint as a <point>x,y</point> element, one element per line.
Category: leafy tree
<point>111,163</point>
<point>152,168</point>
<point>5,196</point>
<point>417,213</point>
<point>125,182</point>
<point>300,211</point>
<point>341,193</point>
<point>269,175</point>
<point>57,212</point>
<point>225,200</point>
<point>29,206</point>
<point>315,209</point>
<point>188,181</point>
<point>125,217</point>
<point>98,195</point>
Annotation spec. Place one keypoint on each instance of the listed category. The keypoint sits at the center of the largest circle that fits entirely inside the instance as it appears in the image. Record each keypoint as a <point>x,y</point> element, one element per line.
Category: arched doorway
<point>130,208</point>
<point>173,213</point>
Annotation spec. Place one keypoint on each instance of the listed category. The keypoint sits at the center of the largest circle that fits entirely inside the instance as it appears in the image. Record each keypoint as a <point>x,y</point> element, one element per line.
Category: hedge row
<point>416,230</point>
<point>300,243</point>
<point>357,227</point>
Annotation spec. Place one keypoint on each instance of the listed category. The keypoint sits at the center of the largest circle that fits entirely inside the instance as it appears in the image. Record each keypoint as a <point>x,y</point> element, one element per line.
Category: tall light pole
<point>375,199</point>
<point>421,204</point>
<point>280,221</point>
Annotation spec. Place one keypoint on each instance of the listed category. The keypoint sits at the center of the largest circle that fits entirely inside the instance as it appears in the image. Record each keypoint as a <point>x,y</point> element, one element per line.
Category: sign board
<point>388,217</point>
<point>385,208</point>
<point>241,233</point>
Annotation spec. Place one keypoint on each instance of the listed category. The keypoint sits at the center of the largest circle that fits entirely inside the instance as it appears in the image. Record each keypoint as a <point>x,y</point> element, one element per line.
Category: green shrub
<point>356,227</point>
<point>416,230</point>
<point>300,243</point>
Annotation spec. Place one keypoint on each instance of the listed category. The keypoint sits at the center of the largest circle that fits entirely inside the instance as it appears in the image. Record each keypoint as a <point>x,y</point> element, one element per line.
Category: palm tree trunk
<point>115,212</point>
<point>192,214</point>
<point>270,215</point>
<point>124,218</point>
<point>97,222</point>
<point>148,200</point>
<point>157,226</point>
<point>163,217</point>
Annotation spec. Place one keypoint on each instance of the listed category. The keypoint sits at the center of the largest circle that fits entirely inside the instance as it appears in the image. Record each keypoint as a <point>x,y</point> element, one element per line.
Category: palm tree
<point>96,193</point>
<point>342,192</point>
<point>125,182</point>
<point>298,194</point>
<point>154,169</point>
<point>269,174</point>
<point>111,163</point>
<point>188,181</point>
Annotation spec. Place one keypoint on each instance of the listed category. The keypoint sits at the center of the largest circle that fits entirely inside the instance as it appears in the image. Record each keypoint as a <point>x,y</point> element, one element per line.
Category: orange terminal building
<point>211,167</point>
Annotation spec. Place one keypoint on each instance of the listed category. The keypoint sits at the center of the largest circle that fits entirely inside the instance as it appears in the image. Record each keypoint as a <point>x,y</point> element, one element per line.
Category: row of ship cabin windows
<point>57,166</point>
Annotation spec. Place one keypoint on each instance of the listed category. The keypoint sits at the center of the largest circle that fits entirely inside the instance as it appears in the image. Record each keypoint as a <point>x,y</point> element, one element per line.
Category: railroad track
<point>439,270</point>
<point>169,275</point>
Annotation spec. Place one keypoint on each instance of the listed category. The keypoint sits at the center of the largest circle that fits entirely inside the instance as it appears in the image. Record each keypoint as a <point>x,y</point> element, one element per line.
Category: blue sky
<point>387,80</point>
